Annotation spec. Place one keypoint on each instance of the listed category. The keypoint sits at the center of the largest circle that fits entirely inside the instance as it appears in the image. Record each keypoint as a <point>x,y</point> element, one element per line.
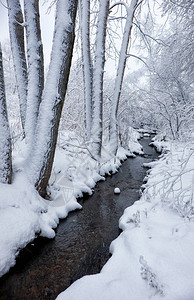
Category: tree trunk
<point>98,77</point>
<point>16,30</point>
<point>120,75</point>
<point>5,140</point>
<point>87,63</point>
<point>43,150</point>
<point>35,66</point>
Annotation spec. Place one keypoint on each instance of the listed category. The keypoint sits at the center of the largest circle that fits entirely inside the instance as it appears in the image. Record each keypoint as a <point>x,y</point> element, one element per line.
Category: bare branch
<point>132,55</point>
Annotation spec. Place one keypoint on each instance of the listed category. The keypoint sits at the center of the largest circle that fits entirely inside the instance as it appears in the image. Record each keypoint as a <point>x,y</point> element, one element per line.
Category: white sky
<point>3,23</point>
<point>47,25</point>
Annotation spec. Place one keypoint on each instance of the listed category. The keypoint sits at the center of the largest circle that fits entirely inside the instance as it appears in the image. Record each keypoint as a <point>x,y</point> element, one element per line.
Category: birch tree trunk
<point>16,31</point>
<point>98,77</point>
<point>43,150</point>
<point>87,63</point>
<point>5,140</point>
<point>120,75</point>
<point>35,66</point>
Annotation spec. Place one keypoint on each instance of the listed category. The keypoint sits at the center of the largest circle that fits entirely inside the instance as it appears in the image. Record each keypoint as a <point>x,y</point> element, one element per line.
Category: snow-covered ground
<point>24,214</point>
<point>153,256</point>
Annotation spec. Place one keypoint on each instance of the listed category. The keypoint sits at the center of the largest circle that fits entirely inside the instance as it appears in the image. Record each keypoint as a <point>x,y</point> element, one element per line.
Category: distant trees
<point>8,68</point>
<point>93,69</point>
<point>93,72</point>
<point>164,98</point>
<point>171,81</point>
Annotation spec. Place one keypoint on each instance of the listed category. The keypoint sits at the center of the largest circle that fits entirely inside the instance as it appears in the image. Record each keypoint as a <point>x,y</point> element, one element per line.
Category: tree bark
<point>16,31</point>
<point>43,150</point>
<point>5,140</point>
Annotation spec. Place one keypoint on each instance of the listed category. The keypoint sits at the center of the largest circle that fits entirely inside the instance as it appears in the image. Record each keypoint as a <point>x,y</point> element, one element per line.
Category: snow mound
<point>117,190</point>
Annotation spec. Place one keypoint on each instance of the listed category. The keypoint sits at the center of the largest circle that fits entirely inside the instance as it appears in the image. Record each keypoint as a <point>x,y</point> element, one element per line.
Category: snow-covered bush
<point>173,180</point>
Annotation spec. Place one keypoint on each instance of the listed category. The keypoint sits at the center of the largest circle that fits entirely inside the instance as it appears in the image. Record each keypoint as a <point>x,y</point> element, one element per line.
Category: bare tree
<point>87,63</point>
<point>16,30</point>
<point>5,140</point>
<point>120,71</point>
<point>35,66</point>
<point>94,72</point>
<point>98,77</point>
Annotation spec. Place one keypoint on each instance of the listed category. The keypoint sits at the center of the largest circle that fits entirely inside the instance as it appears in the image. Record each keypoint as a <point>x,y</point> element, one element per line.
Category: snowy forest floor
<point>25,215</point>
<point>153,256</point>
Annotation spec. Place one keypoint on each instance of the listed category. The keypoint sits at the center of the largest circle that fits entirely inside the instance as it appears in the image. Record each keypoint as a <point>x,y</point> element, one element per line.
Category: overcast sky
<point>47,25</point>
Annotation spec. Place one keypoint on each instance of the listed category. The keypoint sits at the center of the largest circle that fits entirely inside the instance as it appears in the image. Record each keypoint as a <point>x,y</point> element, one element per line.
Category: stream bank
<point>81,246</point>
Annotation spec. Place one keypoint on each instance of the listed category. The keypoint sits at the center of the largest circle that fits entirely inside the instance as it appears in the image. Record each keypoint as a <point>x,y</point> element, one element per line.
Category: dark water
<point>81,246</point>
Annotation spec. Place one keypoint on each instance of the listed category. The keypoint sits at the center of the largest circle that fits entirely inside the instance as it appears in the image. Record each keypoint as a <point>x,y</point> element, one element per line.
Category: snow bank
<point>117,190</point>
<point>133,144</point>
<point>153,256</point>
<point>24,214</point>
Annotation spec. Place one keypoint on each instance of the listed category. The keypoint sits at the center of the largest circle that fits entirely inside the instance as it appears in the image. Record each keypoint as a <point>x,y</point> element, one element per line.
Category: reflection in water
<point>81,246</point>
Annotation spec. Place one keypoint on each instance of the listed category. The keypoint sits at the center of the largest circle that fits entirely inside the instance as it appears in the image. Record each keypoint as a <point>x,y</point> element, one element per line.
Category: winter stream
<point>81,246</point>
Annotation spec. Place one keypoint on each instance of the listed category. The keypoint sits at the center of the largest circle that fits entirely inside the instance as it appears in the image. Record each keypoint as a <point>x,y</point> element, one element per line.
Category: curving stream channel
<point>81,246</point>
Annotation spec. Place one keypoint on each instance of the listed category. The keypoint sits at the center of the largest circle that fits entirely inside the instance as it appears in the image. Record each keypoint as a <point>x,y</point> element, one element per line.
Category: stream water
<point>81,246</point>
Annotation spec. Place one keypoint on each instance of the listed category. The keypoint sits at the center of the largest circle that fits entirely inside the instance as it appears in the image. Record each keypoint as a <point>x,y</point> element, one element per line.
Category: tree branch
<point>132,55</point>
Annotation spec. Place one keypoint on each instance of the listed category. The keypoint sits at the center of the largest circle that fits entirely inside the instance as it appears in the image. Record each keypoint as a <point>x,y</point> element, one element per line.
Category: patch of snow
<point>133,144</point>
<point>117,190</point>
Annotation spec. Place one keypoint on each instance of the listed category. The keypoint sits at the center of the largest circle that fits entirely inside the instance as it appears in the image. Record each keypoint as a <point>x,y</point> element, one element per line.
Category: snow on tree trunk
<point>43,150</point>
<point>120,74</point>
<point>16,31</point>
<point>35,66</point>
<point>5,140</point>
<point>87,63</point>
<point>98,77</point>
